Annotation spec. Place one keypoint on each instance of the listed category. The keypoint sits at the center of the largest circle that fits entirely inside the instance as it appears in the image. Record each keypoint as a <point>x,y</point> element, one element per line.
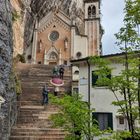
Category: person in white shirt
<point>56,90</point>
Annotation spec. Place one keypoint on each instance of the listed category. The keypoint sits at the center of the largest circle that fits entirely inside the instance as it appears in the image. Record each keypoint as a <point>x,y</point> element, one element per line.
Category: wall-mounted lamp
<point>65,43</point>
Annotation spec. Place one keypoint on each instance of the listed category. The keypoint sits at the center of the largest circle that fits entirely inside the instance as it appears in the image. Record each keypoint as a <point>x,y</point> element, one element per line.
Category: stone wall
<point>8,109</point>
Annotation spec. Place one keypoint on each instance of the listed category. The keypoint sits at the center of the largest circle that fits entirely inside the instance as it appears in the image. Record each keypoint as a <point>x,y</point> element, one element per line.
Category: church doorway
<point>53,63</point>
<point>53,58</point>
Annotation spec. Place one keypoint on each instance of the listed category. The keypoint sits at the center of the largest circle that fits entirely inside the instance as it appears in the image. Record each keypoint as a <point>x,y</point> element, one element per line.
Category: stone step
<point>37,84</point>
<point>27,112</point>
<point>29,121</point>
<point>37,131</point>
<point>45,133</point>
<point>37,137</point>
<point>29,91</point>
<point>40,72</point>
<point>23,128</point>
<point>43,76</point>
<point>39,124</point>
<point>28,84</point>
<point>33,119</point>
<point>33,107</point>
<point>42,116</point>
<point>36,89</point>
<point>22,68</point>
<point>40,133</point>
<point>39,97</point>
<point>36,103</point>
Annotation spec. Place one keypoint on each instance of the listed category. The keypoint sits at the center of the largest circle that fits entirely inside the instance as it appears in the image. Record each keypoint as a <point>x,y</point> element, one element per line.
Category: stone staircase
<point>33,119</point>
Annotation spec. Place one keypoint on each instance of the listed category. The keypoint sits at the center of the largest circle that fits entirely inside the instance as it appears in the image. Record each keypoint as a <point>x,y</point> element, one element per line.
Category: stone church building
<point>66,30</point>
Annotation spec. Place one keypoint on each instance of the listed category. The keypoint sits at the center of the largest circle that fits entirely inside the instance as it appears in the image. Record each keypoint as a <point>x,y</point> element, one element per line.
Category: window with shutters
<point>121,120</point>
<point>95,78</point>
<point>104,120</point>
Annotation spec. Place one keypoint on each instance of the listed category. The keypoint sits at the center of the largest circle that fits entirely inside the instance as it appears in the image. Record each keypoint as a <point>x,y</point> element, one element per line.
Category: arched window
<point>91,11</point>
<point>76,72</point>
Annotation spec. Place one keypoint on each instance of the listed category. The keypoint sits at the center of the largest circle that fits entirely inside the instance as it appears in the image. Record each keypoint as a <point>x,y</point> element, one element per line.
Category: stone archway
<point>53,58</point>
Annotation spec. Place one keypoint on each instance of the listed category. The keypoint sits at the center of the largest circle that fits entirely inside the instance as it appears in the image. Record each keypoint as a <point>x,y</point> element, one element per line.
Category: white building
<point>101,97</point>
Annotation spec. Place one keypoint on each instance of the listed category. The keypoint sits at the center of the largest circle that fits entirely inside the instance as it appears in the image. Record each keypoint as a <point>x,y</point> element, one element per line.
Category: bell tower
<point>92,26</point>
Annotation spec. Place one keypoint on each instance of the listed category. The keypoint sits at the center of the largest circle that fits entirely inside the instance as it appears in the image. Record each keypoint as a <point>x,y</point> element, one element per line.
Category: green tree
<point>127,83</point>
<point>130,37</point>
<point>120,85</point>
<point>74,117</point>
<point>129,42</point>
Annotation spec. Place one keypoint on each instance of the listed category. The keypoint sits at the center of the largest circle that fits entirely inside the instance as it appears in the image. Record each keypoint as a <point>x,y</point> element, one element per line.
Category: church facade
<point>61,36</point>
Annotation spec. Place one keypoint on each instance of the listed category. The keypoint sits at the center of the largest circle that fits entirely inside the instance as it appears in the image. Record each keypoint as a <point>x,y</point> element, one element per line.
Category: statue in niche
<point>73,11</point>
<point>39,46</point>
<point>65,6</point>
<point>80,14</point>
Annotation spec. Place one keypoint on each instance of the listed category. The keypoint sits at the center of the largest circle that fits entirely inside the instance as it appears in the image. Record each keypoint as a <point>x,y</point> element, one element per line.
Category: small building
<point>100,97</point>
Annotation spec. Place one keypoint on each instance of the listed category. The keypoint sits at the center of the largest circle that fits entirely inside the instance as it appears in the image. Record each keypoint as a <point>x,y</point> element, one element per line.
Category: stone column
<point>98,38</point>
<point>60,57</point>
<point>34,47</point>
<point>45,57</point>
<point>72,41</point>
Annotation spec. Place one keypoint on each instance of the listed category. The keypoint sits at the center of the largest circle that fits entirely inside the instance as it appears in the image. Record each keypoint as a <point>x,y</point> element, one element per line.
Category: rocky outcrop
<point>19,12</point>
<point>8,109</point>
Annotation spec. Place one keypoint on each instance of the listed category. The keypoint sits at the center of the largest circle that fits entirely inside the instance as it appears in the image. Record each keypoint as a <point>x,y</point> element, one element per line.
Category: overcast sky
<point>112,20</point>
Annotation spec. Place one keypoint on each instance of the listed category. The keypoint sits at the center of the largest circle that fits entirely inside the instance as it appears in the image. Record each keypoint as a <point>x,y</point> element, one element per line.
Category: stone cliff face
<point>8,109</point>
<point>19,11</point>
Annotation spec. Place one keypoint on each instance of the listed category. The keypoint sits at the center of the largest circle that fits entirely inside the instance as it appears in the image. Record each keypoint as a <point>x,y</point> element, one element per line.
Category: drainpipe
<point>89,138</point>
